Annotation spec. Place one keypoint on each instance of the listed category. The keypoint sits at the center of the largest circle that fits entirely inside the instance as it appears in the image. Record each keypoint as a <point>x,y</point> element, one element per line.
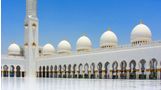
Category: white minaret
<point>31,38</point>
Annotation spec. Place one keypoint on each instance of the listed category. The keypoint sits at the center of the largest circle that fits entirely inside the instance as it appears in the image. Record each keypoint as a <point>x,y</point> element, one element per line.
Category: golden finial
<point>141,21</point>
<point>65,39</point>
<point>84,34</point>
<point>109,29</point>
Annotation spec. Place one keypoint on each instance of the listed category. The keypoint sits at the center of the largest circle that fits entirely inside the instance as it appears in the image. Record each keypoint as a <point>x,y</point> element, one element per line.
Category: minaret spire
<point>31,8</point>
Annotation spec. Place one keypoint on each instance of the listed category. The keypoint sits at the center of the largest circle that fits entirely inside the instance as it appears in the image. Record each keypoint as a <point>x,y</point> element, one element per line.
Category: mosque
<point>141,59</point>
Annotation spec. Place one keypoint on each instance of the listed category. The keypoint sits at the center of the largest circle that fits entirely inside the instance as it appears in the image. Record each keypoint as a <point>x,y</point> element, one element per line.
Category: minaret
<point>31,38</point>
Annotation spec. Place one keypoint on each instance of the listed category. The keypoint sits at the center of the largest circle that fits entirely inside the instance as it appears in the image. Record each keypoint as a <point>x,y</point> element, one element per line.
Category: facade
<point>140,59</point>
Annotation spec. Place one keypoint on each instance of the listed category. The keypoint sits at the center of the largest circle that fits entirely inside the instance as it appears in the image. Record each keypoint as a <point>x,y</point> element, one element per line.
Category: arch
<point>153,68</point>
<point>60,71</point>
<point>123,69</point>
<point>40,69</point>
<point>47,71</point>
<point>5,71</point>
<point>69,70</point>
<point>106,66</point>
<point>12,71</point>
<point>80,71</point>
<point>115,70</point>
<point>51,71</point>
<point>55,71</point>
<point>142,63</point>
<point>99,67</point>
<point>43,71</point>
<point>86,73</point>
<point>92,67</point>
<point>65,71</point>
<point>18,71</point>
<point>74,71</point>
<point>132,71</point>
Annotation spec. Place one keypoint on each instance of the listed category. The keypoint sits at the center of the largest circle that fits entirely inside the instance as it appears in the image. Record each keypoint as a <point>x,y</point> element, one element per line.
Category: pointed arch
<point>69,70</point>
<point>142,63</point>
<point>86,72</point>
<point>51,71</point>
<point>153,68</point>
<point>5,71</point>
<point>92,67</point>
<point>115,70</point>
<point>60,71</point>
<point>80,70</point>
<point>12,71</point>
<point>40,71</point>
<point>43,71</point>
<point>65,71</point>
<point>18,71</point>
<point>47,71</point>
<point>99,67</point>
<point>123,65</point>
<point>106,67</point>
<point>55,71</point>
<point>132,72</point>
<point>74,71</point>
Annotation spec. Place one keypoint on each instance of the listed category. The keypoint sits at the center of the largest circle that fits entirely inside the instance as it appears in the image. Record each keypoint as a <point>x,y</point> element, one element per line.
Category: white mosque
<point>141,59</point>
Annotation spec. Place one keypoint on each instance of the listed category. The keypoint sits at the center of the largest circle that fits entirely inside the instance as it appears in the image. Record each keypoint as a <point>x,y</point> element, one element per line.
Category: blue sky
<point>69,19</point>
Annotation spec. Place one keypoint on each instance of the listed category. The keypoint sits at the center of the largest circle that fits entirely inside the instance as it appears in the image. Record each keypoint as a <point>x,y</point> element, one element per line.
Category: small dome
<point>48,49</point>
<point>141,33</point>
<point>84,44</point>
<point>64,47</point>
<point>14,49</point>
<point>108,39</point>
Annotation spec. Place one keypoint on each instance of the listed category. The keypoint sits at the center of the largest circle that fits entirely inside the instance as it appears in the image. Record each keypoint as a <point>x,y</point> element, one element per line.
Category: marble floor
<point>77,84</point>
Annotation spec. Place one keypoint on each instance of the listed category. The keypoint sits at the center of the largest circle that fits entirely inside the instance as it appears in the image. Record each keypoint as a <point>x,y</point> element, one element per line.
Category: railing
<point>15,57</point>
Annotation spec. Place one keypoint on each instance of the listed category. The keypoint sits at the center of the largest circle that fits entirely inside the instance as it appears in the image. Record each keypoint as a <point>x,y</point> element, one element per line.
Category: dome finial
<point>65,38</point>
<point>84,34</point>
<point>109,29</point>
<point>141,21</point>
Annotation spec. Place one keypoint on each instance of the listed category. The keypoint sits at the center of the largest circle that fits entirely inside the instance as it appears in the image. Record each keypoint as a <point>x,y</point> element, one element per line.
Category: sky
<point>70,19</point>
